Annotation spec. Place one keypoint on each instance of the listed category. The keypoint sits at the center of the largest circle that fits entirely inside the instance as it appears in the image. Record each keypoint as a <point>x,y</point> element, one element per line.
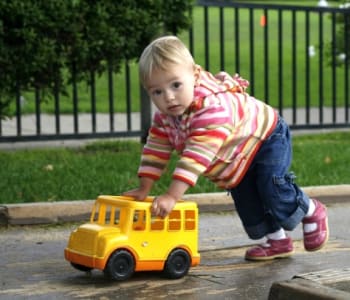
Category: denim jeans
<point>267,199</point>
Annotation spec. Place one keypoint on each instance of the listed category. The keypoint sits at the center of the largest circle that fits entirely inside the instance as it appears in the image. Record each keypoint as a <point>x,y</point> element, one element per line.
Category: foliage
<point>42,40</point>
<point>339,48</point>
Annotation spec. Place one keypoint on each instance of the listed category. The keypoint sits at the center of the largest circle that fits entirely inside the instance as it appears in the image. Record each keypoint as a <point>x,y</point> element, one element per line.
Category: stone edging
<point>68,211</point>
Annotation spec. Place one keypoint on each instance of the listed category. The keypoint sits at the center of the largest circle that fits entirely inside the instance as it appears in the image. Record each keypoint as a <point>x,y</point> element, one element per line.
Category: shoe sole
<point>264,258</point>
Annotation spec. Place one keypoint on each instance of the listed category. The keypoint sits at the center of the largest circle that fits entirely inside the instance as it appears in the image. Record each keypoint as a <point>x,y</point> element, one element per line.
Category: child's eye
<point>177,84</point>
<point>156,92</point>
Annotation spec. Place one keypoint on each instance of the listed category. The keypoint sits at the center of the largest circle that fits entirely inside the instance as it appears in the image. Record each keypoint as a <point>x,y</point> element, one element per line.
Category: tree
<point>339,48</point>
<point>44,42</point>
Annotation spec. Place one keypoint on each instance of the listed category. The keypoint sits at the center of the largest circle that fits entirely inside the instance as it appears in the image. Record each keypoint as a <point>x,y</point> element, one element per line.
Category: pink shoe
<point>271,249</point>
<point>316,239</point>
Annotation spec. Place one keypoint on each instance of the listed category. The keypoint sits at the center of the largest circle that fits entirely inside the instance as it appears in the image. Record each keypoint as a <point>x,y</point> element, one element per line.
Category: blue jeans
<point>267,199</point>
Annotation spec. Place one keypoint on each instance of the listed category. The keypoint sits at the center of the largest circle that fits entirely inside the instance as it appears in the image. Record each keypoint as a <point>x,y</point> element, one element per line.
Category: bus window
<point>100,212</point>
<point>94,213</point>
<point>108,215</point>
<point>115,216</point>
<point>139,220</point>
<point>112,215</point>
<point>157,223</point>
<point>175,220</point>
<point>190,220</point>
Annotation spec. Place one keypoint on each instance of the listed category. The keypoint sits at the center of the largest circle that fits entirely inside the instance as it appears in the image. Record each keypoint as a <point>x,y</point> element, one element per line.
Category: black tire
<point>81,267</point>
<point>177,264</point>
<point>120,265</point>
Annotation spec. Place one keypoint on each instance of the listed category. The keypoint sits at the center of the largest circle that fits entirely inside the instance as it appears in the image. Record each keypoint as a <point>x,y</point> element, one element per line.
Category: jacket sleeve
<point>209,129</point>
<point>233,84</point>
<point>157,151</point>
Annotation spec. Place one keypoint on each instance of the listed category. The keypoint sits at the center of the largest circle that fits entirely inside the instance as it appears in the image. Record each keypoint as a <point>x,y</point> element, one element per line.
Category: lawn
<point>110,168</point>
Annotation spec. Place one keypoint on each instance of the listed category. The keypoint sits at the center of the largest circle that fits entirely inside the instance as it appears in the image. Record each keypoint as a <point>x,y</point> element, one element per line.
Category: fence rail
<point>293,57</point>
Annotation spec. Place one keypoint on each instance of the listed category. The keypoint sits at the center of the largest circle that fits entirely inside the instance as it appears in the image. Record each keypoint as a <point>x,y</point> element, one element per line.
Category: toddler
<point>228,136</point>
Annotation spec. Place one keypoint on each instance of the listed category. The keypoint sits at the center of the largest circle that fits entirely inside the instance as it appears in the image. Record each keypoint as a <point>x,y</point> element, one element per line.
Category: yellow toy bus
<point>123,237</point>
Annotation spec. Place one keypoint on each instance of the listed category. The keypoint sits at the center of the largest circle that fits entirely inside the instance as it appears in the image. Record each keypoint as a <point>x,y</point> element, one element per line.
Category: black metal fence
<point>295,57</point>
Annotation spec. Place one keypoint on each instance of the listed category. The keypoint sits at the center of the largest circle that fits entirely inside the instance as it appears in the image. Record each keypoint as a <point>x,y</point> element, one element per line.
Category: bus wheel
<point>120,265</point>
<point>177,264</point>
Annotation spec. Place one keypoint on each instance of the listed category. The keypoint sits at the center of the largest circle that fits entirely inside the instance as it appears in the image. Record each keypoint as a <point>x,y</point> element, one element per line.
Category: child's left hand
<point>163,205</point>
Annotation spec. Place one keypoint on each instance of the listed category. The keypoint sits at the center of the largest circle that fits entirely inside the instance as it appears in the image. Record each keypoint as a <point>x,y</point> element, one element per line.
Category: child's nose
<point>169,96</point>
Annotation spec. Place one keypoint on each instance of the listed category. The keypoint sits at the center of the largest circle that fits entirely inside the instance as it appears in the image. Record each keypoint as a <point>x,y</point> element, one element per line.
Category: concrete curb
<point>303,289</point>
<point>325,284</point>
<point>69,211</point>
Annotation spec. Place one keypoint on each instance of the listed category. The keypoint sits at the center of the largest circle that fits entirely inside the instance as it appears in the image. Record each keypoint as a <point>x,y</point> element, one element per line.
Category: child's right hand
<point>142,191</point>
<point>138,194</point>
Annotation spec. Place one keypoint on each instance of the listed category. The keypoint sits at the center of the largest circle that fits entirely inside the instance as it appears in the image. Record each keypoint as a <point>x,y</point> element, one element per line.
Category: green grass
<point>110,168</point>
<point>258,81</point>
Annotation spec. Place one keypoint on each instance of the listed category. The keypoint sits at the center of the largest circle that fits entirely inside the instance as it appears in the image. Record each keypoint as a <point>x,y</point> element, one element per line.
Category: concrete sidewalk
<point>34,267</point>
<point>327,271</point>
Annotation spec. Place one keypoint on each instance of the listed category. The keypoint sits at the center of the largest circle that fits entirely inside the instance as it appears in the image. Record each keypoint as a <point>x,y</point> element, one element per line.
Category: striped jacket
<point>217,137</point>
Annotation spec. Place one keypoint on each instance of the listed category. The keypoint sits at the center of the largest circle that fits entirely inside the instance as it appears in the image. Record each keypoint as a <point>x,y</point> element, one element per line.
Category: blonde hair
<point>162,52</point>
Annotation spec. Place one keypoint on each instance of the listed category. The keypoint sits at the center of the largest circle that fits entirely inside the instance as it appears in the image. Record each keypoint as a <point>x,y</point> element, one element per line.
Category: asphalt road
<point>33,266</point>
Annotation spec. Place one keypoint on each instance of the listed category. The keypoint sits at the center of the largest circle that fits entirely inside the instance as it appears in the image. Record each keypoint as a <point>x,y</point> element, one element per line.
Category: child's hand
<point>138,194</point>
<point>142,191</point>
<point>163,205</point>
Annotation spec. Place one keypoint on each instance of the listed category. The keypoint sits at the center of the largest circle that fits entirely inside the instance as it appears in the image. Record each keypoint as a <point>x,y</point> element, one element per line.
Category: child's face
<point>172,90</point>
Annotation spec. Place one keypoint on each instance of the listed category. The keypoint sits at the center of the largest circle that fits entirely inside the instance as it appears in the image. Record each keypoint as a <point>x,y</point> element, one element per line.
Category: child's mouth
<point>173,107</point>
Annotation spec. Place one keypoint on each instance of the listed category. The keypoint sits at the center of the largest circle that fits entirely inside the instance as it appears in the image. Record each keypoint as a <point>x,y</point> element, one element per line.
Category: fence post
<point>145,114</point>
<point>347,60</point>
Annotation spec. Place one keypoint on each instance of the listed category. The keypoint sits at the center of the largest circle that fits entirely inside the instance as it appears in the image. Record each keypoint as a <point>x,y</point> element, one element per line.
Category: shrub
<point>42,43</point>
<point>339,48</point>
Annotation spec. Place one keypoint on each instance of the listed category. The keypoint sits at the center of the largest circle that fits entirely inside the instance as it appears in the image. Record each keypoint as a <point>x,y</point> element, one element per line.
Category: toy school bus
<point>123,237</point>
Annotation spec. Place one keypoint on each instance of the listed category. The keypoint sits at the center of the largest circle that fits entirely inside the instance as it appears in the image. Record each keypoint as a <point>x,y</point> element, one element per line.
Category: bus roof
<point>125,201</point>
